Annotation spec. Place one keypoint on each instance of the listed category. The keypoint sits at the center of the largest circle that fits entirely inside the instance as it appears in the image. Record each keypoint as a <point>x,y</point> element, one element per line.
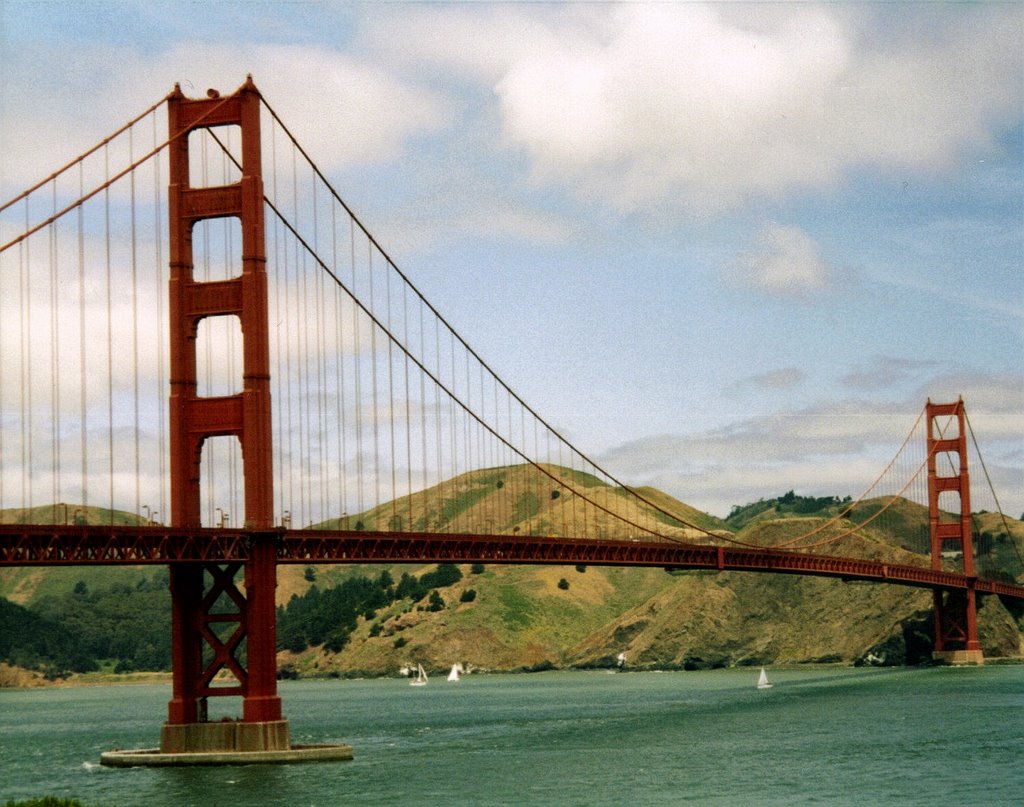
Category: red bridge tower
<point>956,628</point>
<point>201,645</point>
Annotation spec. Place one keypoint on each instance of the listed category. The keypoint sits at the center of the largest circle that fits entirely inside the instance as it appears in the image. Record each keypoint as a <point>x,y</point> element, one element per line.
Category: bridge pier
<point>225,737</point>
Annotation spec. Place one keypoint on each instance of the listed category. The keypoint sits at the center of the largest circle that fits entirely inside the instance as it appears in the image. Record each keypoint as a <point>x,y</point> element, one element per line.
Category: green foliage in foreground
<point>46,801</point>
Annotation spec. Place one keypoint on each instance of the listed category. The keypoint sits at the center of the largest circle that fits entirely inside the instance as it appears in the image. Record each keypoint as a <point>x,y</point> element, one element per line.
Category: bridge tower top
<point>948,474</point>
<point>246,415</point>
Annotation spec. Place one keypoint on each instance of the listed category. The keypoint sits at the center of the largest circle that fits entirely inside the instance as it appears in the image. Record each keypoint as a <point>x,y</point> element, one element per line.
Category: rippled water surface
<point>819,736</point>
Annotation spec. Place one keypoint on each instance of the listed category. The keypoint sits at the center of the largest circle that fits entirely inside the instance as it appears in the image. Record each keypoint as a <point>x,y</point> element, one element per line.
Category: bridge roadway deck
<point>31,545</point>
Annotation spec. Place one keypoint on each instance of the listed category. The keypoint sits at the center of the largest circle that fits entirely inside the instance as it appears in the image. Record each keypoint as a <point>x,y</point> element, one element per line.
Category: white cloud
<point>884,372</point>
<point>696,104</point>
<point>784,263</point>
<point>472,42</point>
<point>837,448</point>
<point>782,378</point>
<point>994,403</point>
<point>344,111</point>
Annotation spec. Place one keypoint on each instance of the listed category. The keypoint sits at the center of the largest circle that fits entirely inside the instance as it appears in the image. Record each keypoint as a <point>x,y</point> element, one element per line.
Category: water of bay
<point>832,736</point>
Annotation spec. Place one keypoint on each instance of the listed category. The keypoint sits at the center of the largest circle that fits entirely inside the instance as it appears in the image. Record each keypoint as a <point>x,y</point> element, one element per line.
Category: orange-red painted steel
<point>22,545</point>
<point>246,415</point>
<point>956,624</point>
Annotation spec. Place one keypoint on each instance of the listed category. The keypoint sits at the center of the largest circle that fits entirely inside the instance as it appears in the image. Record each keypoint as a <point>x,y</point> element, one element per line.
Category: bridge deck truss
<point>30,545</point>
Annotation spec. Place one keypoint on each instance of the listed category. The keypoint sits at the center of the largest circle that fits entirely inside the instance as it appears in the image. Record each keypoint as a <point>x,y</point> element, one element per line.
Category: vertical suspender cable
<point>135,324</point>
<point>408,409</point>
<point>339,371</point>
<point>356,372</point>
<point>440,421</point>
<point>213,495</point>
<point>231,271</point>
<point>499,460</point>
<point>24,256</point>
<point>486,459</point>
<point>210,445</point>
<point>110,340</point>
<point>373,378</point>
<point>318,313</point>
<point>455,435</point>
<point>565,526</point>
<point>472,441</point>
<point>513,474</point>
<point>307,299</point>
<point>158,230</point>
<point>522,437</point>
<point>293,392</point>
<point>302,380</point>
<point>334,312</point>
<point>424,482</point>
<point>289,385</point>
<point>83,352</point>
<point>324,443</point>
<point>536,448</point>
<point>300,339</point>
<point>305,418</point>
<point>3,452</point>
<point>327,471</point>
<point>54,366</point>
<point>391,397</point>
<point>280,316</point>
<point>275,318</point>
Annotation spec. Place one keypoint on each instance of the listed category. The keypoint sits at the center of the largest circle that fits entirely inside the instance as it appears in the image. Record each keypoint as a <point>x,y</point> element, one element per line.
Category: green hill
<point>507,617</point>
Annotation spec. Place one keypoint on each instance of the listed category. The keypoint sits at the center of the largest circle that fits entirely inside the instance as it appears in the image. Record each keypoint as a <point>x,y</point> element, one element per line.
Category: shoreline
<point>28,679</point>
<point>20,678</point>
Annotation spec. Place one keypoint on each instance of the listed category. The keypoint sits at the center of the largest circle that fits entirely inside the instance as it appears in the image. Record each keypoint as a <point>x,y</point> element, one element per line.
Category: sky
<point>727,249</point>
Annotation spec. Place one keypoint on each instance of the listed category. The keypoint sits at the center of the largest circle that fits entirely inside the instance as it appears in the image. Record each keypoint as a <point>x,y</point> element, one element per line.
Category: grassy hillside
<point>28,584</point>
<point>522,617</point>
<point>505,617</point>
<point>527,500</point>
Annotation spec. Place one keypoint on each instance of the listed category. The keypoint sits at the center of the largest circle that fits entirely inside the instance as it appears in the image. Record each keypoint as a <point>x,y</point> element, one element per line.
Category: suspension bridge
<point>208,362</point>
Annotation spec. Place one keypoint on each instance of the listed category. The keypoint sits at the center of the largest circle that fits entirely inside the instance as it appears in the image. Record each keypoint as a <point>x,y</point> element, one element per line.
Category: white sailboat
<point>621,659</point>
<point>421,677</point>
<point>762,680</point>
<point>454,674</point>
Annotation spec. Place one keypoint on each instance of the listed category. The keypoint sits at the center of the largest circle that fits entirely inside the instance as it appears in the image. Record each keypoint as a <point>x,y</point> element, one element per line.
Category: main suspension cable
<point>465,345</point>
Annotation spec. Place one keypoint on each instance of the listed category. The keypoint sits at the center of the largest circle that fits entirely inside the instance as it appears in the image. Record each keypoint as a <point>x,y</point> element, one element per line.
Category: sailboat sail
<point>421,677</point>
<point>762,680</point>
<point>454,674</point>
